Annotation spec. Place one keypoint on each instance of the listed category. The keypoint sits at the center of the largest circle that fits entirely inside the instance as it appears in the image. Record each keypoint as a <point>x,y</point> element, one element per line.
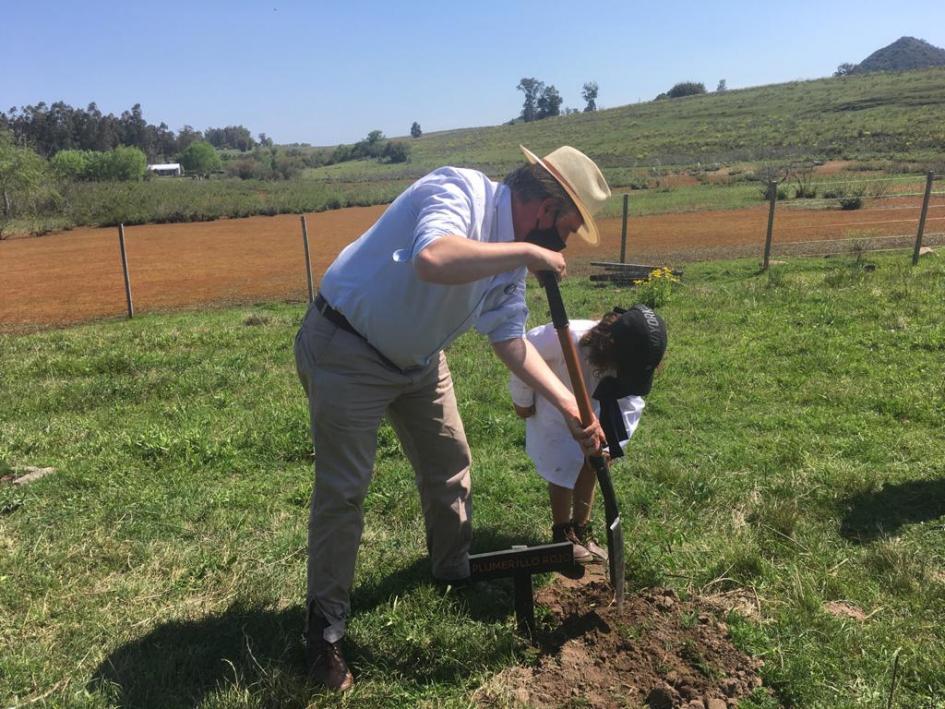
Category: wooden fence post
<point>623,232</point>
<point>308,262</point>
<point>925,210</point>
<point>772,201</point>
<point>124,268</point>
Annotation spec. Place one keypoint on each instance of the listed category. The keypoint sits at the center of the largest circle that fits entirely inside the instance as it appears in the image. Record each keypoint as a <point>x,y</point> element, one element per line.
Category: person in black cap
<point>619,356</point>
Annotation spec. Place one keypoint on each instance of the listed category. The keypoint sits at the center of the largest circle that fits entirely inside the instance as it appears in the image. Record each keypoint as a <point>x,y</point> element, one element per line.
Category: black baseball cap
<point>640,338</point>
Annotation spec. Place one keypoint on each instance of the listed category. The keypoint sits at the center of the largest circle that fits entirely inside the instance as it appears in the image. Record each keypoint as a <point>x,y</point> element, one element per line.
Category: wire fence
<point>802,218</point>
<point>864,227</point>
<point>89,274</point>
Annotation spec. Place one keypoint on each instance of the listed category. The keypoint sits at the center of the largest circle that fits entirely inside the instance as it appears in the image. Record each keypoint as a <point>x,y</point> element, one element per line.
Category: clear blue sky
<point>329,72</point>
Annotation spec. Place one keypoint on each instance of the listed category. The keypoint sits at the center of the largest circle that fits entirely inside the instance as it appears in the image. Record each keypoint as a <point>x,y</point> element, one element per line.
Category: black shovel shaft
<point>559,319</point>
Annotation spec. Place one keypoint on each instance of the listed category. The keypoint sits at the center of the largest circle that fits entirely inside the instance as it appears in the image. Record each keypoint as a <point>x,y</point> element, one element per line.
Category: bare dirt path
<point>75,276</point>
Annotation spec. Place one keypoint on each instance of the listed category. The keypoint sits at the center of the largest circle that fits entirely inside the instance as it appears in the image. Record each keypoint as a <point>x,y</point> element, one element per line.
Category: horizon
<point>272,68</point>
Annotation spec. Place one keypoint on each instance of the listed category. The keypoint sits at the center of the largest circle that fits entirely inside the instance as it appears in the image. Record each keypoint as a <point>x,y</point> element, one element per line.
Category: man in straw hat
<point>450,253</point>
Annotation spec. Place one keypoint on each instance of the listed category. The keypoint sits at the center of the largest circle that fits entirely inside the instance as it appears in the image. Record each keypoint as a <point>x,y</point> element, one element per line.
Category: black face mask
<point>546,238</point>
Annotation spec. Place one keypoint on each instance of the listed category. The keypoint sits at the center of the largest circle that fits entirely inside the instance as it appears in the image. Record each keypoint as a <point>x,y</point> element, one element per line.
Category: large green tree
<point>71,164</point>
<point>549,103</point>
<point>532,89</point>
<point>232,137</point>
<point>589,92</point>
<point>121,164</point>
<point>21,172</point>
<point>200,158</point>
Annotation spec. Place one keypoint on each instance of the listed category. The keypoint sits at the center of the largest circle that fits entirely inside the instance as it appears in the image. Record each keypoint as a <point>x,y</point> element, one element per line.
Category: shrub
<point>246,169</point>
<point>655,290</point>
<point>121,164</point>
<point>200,158</point>
<point>395,152</point>
<point>686,88</point>
<point>781,192</point>
<point>848,199</point>
<point>850,203</point>
<point>803,177</point>
<point>71,164</point>
<point>24,188</point>
<point>285,167</point>
<point>805,192</point>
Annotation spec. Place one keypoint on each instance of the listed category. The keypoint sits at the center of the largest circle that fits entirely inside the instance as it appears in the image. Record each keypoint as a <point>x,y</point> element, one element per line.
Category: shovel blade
<point>616,560</point>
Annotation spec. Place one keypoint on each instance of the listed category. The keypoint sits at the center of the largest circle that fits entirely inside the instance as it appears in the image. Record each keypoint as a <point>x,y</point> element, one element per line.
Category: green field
<point>791,451</point>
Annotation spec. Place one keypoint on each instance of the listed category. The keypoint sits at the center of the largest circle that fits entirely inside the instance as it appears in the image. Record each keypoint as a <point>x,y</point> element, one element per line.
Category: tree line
<point>48,129</point>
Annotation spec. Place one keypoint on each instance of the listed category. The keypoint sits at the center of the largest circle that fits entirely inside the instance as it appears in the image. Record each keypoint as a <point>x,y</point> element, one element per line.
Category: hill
<point>904,54</point>
<point>862,117</point>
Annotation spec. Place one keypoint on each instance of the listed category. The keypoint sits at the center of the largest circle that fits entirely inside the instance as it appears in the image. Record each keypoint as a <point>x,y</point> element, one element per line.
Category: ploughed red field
<point>75,276</point>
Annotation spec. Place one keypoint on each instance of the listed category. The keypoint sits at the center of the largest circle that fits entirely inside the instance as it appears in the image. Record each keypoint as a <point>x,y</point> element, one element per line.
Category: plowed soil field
<point>76,276</point>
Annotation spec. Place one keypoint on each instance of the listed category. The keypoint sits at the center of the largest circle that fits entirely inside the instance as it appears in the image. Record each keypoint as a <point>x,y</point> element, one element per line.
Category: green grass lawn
<point>792,449</point>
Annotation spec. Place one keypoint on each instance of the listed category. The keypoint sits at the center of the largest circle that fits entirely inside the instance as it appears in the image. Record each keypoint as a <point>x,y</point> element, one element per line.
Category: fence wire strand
<point>847,238</point>
<point>832,201</point>
<point>853,224</point>
<point>908,206</point>
<point>865,180</point>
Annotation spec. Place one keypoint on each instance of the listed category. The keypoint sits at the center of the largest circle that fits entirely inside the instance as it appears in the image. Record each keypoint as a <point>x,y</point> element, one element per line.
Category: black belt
<point>333,316</point>
<point>339,320</point>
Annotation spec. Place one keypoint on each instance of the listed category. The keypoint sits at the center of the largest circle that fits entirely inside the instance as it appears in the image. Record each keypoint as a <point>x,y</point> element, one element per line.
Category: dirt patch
<point>842,609</point>
<point>743,601</point>
<point>658,651</point>
<point>24,476</point>
<point>833,167</point>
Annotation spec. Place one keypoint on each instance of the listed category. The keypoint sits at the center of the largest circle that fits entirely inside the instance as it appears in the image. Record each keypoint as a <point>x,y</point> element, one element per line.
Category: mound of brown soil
<point>658,651</point>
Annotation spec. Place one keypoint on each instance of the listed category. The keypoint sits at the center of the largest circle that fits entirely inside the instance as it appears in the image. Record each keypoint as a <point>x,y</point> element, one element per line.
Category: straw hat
<point>581,179</point>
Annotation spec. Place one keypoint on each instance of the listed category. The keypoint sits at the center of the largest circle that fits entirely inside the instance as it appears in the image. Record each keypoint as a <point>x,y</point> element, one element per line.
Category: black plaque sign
<point>520,563</point>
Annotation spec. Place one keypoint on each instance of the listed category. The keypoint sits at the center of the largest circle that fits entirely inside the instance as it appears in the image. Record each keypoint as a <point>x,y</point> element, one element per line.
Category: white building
<point>170,168</point>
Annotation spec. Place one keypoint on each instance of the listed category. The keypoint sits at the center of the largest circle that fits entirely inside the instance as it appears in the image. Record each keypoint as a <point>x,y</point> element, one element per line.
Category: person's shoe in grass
<point>564,532</point>
<point>457,586</point>
<point>324,661</point>
<point>586,537</point>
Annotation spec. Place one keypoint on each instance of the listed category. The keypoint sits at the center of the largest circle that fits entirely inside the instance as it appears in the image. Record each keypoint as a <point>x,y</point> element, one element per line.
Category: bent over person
<point>450,253</point>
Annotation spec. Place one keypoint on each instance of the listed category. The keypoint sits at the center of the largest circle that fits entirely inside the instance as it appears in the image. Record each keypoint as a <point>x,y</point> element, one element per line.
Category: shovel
<point>559,319</point>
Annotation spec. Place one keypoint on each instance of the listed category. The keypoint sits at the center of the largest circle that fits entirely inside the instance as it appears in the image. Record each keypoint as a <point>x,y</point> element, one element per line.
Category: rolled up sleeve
<point>504,312</point>
<point>443,209</point>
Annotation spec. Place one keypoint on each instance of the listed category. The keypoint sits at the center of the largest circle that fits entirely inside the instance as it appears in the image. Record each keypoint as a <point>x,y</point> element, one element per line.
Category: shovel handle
<point>559,318</point>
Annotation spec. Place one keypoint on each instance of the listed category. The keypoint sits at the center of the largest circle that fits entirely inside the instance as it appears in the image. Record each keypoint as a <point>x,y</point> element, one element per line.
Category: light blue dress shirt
<point>373,282</point>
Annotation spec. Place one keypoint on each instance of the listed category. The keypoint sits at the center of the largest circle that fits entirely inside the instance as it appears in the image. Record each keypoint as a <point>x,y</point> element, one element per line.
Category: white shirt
<point>557,456</point>
<point>373,282</point>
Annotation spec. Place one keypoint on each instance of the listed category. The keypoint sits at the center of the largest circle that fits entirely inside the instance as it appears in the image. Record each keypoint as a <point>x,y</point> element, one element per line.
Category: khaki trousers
<point>349,390</point>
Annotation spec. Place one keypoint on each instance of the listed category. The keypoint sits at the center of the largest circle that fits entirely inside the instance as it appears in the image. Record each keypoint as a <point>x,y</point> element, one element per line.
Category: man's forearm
<point>523,361</point>
<point>454,260</point>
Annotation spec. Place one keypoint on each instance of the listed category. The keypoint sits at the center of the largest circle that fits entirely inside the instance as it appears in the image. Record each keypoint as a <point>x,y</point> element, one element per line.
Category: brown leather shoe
<point>324,661</point>
<point>586,537</point>
<point>564,532</point>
